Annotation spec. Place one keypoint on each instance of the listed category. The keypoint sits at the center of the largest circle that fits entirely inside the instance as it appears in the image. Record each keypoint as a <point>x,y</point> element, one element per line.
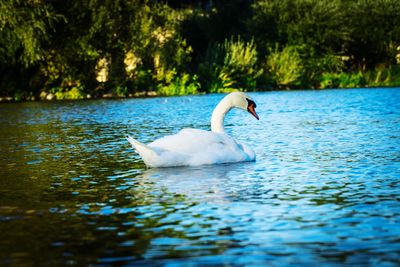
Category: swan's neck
<point>218,116</point>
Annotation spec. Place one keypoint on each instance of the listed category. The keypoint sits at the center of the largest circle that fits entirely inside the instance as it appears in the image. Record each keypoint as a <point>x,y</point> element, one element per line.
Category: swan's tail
<point>149,155</point>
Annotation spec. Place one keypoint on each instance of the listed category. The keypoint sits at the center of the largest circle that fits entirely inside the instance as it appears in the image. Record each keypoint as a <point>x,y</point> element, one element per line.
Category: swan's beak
<point>251,109</point>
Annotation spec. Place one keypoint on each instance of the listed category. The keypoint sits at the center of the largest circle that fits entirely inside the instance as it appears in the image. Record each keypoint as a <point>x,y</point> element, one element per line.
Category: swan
<point>194,147</point>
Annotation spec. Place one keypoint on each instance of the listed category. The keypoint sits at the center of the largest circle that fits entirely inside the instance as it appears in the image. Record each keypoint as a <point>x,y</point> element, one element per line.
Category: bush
<point>240,63</point>
<point>121,91</point>
<point>73,93</point>
<point>299,65</point>
<point>229,66</point>
<point>183,85</point>
<point>316,66</point>
<point>342,80</point>
<point>223,84</point>
<point>383,76</point>
<point>286,66</point>
<point>380,76</point>
<point>143,81</point>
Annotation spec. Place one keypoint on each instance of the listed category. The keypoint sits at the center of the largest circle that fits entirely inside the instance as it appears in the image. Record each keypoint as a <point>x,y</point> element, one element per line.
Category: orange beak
<point>253,112</point>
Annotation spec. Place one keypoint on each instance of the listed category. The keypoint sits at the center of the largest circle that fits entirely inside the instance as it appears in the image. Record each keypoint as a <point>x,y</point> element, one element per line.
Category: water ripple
<point>324,188</point>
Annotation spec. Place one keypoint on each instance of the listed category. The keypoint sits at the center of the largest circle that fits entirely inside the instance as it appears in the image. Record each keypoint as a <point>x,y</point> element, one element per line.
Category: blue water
<point>324,189</point>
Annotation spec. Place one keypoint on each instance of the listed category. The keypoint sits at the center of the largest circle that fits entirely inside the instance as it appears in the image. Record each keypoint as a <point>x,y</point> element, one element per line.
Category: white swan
<point>193,147</point>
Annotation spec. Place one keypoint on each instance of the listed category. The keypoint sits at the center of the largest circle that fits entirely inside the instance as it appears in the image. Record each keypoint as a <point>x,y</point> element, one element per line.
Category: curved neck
<point>218,116</point>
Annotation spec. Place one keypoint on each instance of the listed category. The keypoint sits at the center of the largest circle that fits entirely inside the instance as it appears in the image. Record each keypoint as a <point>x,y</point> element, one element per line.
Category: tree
<point>25,27</point>
<point>374,31</point>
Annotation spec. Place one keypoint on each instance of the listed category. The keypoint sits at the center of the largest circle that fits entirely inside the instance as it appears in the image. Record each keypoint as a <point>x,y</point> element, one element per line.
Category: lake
<point>323,190</point>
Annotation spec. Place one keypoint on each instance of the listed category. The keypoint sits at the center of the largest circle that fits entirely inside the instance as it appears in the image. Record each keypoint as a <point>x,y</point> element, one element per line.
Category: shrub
<point>342,80</point>
<point>316,66</point>
<point>121,91</point>
<point>240,63</point>
<point>180,85</point>
<point>143,80</point>
<point>299,65</point>
<point>229,66</point>
<point>75,92</point>
<point>285,66</point>
<point>383,76</point>
<point>223,84</point>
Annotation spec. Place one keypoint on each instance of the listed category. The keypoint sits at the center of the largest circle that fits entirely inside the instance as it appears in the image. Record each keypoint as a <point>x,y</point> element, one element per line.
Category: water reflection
<point>208,183</point>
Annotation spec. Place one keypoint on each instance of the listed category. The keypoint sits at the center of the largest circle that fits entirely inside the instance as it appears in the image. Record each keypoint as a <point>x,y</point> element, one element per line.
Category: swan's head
<point>243,101</point>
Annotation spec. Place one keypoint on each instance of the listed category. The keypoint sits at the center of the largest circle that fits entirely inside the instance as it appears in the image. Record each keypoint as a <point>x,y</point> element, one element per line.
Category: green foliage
<point>374,27</point>
<point>160,50</point>
<point>231,65</point>
<point>295,66</point>
<point>143,80</point>
<point>342,80</point>
<point>179,48</point>
<point>223,84</point>
<point>121,91</point>
<point>383,76</point>
<point>209,68</point>
<point>317,23</point>
<point>24,30</point>
<point>179,85</point>
<point>316,66</point>
<point>71,94</point>
<point>368,31</point>
<point>19,95</point>
<point>380,76</point>
<point>240,63</point>
<point>286,66</point>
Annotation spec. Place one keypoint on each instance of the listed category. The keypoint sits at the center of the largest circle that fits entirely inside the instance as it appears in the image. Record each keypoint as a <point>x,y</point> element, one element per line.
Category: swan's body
<point>193,147</point>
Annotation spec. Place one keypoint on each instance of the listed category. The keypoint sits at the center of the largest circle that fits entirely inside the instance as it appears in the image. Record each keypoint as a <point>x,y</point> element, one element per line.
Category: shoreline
<point>49,97</point>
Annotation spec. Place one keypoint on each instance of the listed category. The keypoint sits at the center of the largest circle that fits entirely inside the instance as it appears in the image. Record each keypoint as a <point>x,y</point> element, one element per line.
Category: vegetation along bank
<point>117,48</point>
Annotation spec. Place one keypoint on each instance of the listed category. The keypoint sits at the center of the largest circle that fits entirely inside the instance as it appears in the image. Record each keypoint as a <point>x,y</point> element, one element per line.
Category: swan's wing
<point>203,147</point>
<point>156,157</point>
<point>191,141</point>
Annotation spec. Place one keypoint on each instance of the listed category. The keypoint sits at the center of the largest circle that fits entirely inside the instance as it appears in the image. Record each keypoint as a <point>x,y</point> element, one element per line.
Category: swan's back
<point>189,141</point>
<point>200,147</point>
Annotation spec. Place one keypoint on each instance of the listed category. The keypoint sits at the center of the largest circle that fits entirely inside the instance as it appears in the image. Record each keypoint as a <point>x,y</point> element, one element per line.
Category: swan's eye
<point>251,103</point>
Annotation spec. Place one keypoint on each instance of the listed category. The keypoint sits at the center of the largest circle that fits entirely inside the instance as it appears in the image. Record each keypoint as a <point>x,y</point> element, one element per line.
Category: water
<point>324,188</point>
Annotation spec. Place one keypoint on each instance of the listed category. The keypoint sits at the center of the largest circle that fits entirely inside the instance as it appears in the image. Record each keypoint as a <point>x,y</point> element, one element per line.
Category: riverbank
<point>148,94</point>
<point>185,84</point>
<point>44,96</point>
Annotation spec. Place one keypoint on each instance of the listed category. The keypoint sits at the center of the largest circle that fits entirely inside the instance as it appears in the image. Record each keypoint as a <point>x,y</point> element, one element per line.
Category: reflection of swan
<point>213,183</point>
<point>193,147</point>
